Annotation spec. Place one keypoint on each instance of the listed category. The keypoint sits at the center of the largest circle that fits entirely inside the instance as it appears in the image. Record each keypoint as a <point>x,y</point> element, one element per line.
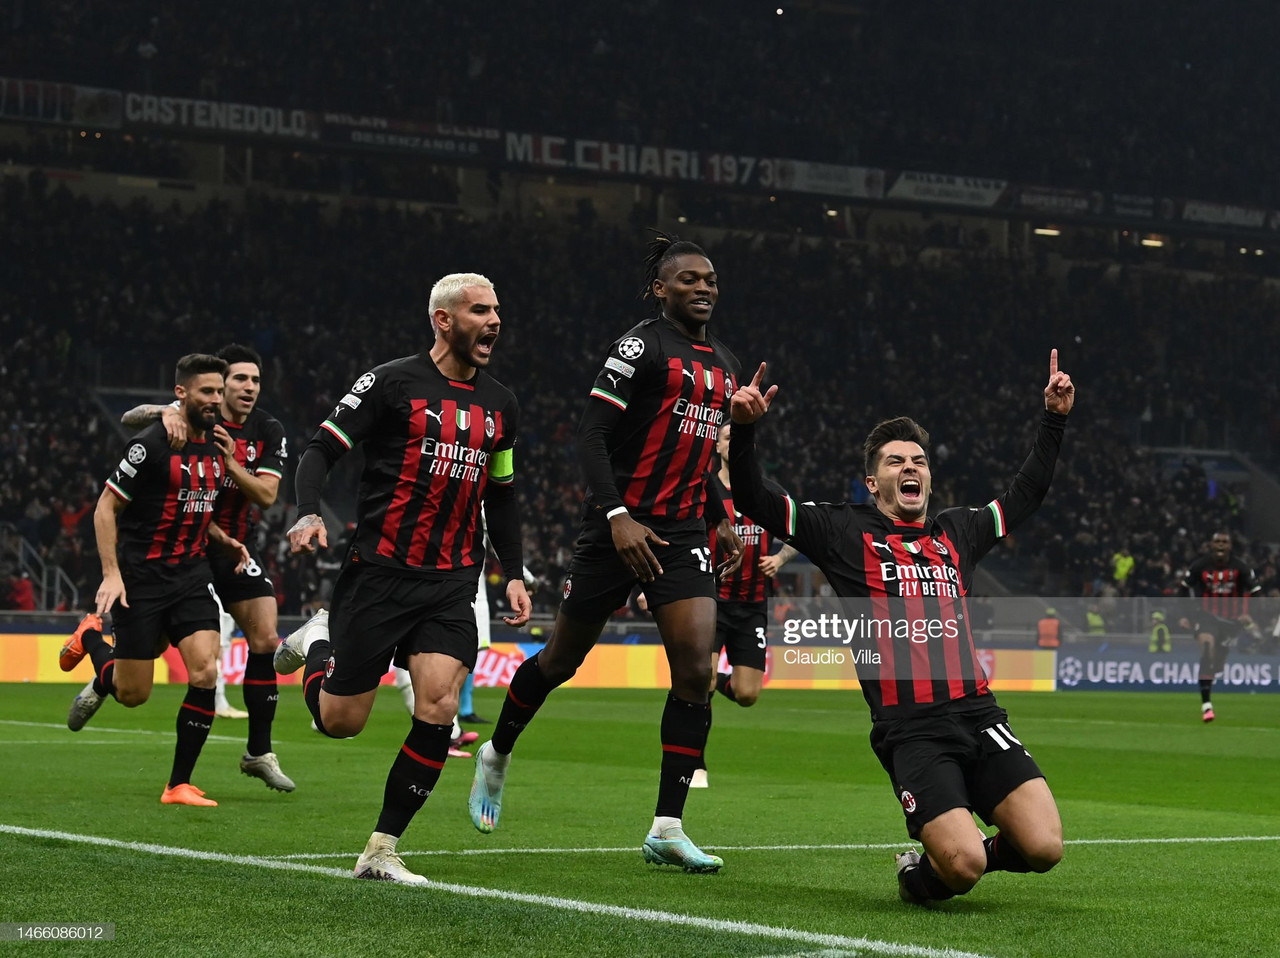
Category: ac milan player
<point>742,618</point>
<point>645,442</point>
<point>936,727</point>
<point>152,522</point>
<point>438,433</point>
<point>255,450</point>
<point>1221,587</point>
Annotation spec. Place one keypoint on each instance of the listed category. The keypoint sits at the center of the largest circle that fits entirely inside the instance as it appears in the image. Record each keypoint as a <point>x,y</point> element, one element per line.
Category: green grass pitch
<point>1173,832</point>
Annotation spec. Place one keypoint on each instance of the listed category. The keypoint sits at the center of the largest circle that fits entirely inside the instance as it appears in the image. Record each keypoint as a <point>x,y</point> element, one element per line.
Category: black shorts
<point>960,758</point>
<point>599,581</point>
<point>740,631</point>
<point>163,611</point>
<point>379,617</point>
<point>233,586</point>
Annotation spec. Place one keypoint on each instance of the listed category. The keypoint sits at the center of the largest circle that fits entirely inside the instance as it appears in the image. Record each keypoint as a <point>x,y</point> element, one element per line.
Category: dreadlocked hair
<point>663,248</point>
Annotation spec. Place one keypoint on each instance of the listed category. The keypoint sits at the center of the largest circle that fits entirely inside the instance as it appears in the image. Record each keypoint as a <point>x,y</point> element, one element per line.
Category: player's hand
<point>770,565</point>
<point>518,599</point>
<point>632,539</point>
<point>1060,394</point>
<point>223,440</point>
<point>111,589</point>
<point>176,427</point>
<point>242,551</point>
<point>730,545</point>
<point>304,530</point>
<point>749,403</point>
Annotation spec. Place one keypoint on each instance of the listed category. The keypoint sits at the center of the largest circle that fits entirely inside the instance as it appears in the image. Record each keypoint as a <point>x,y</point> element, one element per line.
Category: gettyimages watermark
<point>1023,642</point>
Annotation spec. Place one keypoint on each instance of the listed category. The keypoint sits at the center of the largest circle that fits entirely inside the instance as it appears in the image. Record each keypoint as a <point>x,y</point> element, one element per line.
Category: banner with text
<point>67,104</point>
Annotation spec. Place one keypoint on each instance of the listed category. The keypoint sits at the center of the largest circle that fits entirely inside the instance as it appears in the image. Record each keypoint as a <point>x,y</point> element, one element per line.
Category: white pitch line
<point>44,742</point>
<point>544,901</point>
<point>106,728</point>
<point>883,846</point>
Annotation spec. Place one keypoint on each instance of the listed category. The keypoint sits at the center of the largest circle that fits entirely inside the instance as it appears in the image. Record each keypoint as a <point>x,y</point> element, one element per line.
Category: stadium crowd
<point>1088,96</point>
<point>95,293</point>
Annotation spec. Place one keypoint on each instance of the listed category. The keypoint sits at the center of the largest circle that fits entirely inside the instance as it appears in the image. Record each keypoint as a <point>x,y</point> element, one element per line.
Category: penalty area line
<point>651,915</point>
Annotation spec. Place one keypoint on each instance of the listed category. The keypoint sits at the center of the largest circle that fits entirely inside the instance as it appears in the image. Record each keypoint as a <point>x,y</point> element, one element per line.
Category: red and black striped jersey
<point>431,445</point>
<point>908,582</point>
<point>170,495</point>
<point>670,396</point>
<point>261,448</point>
<point>1222,590</point>
<point>748,583</point>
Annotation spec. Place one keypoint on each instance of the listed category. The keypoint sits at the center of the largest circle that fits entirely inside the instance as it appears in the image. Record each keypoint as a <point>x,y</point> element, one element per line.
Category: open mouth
<point>911,490</point>
<point>700,305</point>
<point>484,345</point>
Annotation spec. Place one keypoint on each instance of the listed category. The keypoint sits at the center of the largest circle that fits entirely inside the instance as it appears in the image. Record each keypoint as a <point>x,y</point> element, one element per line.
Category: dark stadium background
<point>908,205</point>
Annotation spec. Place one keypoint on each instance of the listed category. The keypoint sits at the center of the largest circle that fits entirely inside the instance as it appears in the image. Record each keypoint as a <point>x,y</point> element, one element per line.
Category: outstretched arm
<point>1029,486</point>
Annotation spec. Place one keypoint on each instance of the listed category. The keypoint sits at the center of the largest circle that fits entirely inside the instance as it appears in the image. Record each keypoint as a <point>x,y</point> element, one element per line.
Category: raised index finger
<point>1053,363</point>
<point>759,376</point>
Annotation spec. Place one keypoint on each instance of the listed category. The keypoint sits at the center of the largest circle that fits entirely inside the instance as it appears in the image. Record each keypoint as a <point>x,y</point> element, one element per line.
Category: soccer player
<point>741,617</point>
<point>645,442</point>
<point>255,450</point>
<point>438,433</point>
<point>1221,586</point>
<point>152,522</point>
<point>936,727</point>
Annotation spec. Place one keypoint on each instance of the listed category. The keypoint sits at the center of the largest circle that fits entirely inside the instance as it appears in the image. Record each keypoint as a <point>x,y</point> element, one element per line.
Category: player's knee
<point>746,697</point>
<point>438,711</point>
<point>558,670</point>
<point>204,676</point>
<point>1044,852</point>
<point>691,688</point>
<point>961,869</point>
<point>340,726</point>
<point>266,642</point>
<point>131,698</point>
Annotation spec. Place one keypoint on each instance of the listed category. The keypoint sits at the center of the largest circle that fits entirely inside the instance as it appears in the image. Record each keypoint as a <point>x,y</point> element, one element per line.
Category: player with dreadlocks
<point>646,443</point>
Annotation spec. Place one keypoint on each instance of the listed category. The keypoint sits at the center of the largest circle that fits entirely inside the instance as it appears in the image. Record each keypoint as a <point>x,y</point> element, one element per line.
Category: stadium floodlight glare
<point>833,212</point>
<point>1047,231</point>
<point>1152,241</point>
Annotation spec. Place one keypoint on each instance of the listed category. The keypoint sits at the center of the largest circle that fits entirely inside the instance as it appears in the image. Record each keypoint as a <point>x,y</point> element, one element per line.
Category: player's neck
<point>724,475</point>
<point>696,333</point>
<point>229,416</point>
<point>450,366</point>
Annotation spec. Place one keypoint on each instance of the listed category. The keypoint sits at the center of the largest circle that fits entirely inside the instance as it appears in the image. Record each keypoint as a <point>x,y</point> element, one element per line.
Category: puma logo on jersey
<point>185,467</point>
<point>689,373</point>
<point>613,379</point>
<point>437,416</point>
<point>882,545</point>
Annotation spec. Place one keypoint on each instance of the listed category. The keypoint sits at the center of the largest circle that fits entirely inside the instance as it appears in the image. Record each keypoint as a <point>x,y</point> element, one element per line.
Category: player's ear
<point>872,485</point>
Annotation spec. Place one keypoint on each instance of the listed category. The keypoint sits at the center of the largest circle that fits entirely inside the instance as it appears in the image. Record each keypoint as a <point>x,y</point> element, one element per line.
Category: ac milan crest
<point>908,802</point>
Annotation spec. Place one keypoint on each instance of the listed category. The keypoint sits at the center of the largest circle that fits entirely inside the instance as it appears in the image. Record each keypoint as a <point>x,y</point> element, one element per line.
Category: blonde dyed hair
<point>448,291</point>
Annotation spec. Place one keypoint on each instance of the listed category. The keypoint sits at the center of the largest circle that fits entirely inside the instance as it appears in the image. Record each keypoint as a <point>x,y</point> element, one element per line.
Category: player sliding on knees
<point>936,728</point>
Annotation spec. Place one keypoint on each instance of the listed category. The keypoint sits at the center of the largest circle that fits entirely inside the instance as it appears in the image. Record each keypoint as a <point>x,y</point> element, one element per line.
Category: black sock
<point>702,759</point>
<point>260,696</point>
<point>195,718</point>
<point>684,736</point>
<point>923,882</point>
<point>313,679</point>
<point>528,690</point>
<point>1003,857</point>
<point>1206,686</point>
<point>724,685</point>
<point>103,658</point>
<point>413,775</point>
